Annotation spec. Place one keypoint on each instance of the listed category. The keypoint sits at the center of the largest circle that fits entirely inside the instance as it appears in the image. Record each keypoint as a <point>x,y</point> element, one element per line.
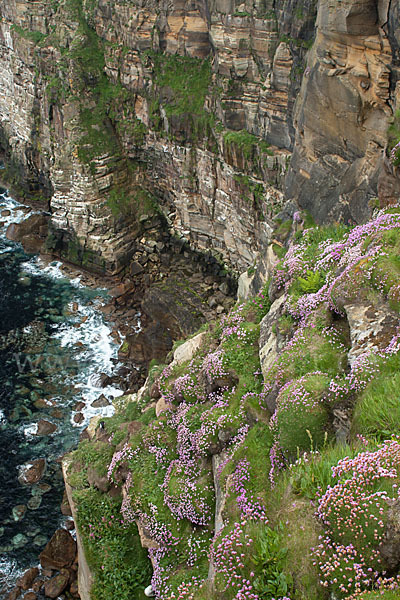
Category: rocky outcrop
<point>347,100</point>
<point>84,574</point>
<point>112,110</point>
<point>372,327</point>
<point>109,125</point>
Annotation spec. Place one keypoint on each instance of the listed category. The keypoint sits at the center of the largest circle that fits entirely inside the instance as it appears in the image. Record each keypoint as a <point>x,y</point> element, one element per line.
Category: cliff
<point>264,460</point>
<point>112,112</point>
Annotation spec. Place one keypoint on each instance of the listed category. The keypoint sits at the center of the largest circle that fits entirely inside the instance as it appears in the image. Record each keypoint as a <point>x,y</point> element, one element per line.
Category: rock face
<point>112,111</point>
<point>346,103</point>
<point>371,327</point>
<point>59,552</point>
<point>32,472</point>
<point>105,138</point>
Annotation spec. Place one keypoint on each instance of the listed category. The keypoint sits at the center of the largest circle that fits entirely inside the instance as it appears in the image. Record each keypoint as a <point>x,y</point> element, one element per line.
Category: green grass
<point>313,351</point>
<point>181,87</point>
<point>119,565</point>
<point>300,532</point>
<point>302,426</point>
<point>246,142</point>
<point>377,411</point>
<point>311,474</point>
<point>88,454</point>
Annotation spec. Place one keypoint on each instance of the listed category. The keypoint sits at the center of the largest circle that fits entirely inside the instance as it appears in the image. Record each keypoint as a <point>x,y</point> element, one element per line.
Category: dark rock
<point>30,596</point>
<point>79,417</point>
<point>56,585</point>
<point>100,482</point>
<point>132,427</point>
<point>136,268</point>
<point>155,393</point>
<point>60,551</point>
<point>14,594</point>
<point>19,512</point>
<point>389,548</point>
<point>74,589</point>
<point>37,585</point>
<point>45,427</point>
<point>70,525</point>
<point>57,413</point>
<point>65,507</point>
<point>84,435</point>
<point>32,472</point>
<point>100,402</point>
<point>79,405</point>
<point>31,232</point>
<point>26,580</point>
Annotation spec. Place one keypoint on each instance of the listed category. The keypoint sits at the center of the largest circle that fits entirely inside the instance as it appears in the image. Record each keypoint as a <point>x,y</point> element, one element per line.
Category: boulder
<point>268,349</point>
<point>389,548</point>
<point>26,580</point>
<point>14,594</point>
<point>101,402</point>
<point>31,232</point>
<point>31,473</point>
<point>371,327</point>
<point>65,507</point>
<point>56,585</point>
<point>162,406</point>
<point>98,481</point>
<point>45,427</point>
<point>188,349</point>
<point>60,551</point>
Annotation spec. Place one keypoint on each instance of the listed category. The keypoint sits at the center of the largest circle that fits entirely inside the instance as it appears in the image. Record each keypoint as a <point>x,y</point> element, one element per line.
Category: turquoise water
<point>54,344</point>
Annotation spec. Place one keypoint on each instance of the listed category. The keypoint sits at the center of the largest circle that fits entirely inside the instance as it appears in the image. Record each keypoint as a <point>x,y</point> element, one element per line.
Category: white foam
<point>94,336</point>
<point>9,572</point>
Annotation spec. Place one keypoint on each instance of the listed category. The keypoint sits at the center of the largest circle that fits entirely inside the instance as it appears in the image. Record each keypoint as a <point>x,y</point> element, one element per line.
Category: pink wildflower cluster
<point>213,365</point>
<point>353,513</point>
<point>344,264</point>
<point>190,501</point>
<point>248,506</point>
<point>231,323</point>
<point>229,558</point>
<point>394,153</point>
<point>125,454</point>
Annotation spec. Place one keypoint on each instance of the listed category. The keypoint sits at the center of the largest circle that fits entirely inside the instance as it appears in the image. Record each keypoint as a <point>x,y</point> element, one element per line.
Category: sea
<point>55,348</point>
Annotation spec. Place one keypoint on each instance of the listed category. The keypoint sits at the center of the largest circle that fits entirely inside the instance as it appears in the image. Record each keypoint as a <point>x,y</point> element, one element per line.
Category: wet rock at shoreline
<point>65,507</point>
<point>18,512</point>
<point>31,232</point>
<point>60,551</point>
<point>34,502</point>
<point>45,427</point>
<point>31,473</point>
<point>19,541</point>
<point>26,580</point>
<point>101,402</point>
<point>56,585</point>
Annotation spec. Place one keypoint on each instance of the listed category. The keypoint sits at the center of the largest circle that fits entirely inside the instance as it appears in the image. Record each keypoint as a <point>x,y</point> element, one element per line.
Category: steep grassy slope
<point>272,467</point>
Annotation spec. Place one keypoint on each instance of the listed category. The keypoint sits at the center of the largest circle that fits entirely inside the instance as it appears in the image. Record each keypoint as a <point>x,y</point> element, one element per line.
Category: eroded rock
<point>60,551</point>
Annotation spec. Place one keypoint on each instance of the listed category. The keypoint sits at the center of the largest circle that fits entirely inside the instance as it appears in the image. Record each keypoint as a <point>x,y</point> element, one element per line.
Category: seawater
<point>54,344</point>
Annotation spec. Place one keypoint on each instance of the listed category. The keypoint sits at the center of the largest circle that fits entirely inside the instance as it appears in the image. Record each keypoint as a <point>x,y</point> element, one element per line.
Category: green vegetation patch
<point>181,87</point>
<point>120,566</point>
<point>247,143</point>
<point>377,411</point>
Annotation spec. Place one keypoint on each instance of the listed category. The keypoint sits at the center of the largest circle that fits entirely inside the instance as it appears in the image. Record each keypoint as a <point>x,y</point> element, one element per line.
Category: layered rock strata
<point>348,97</point>
<point>90,119</point>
